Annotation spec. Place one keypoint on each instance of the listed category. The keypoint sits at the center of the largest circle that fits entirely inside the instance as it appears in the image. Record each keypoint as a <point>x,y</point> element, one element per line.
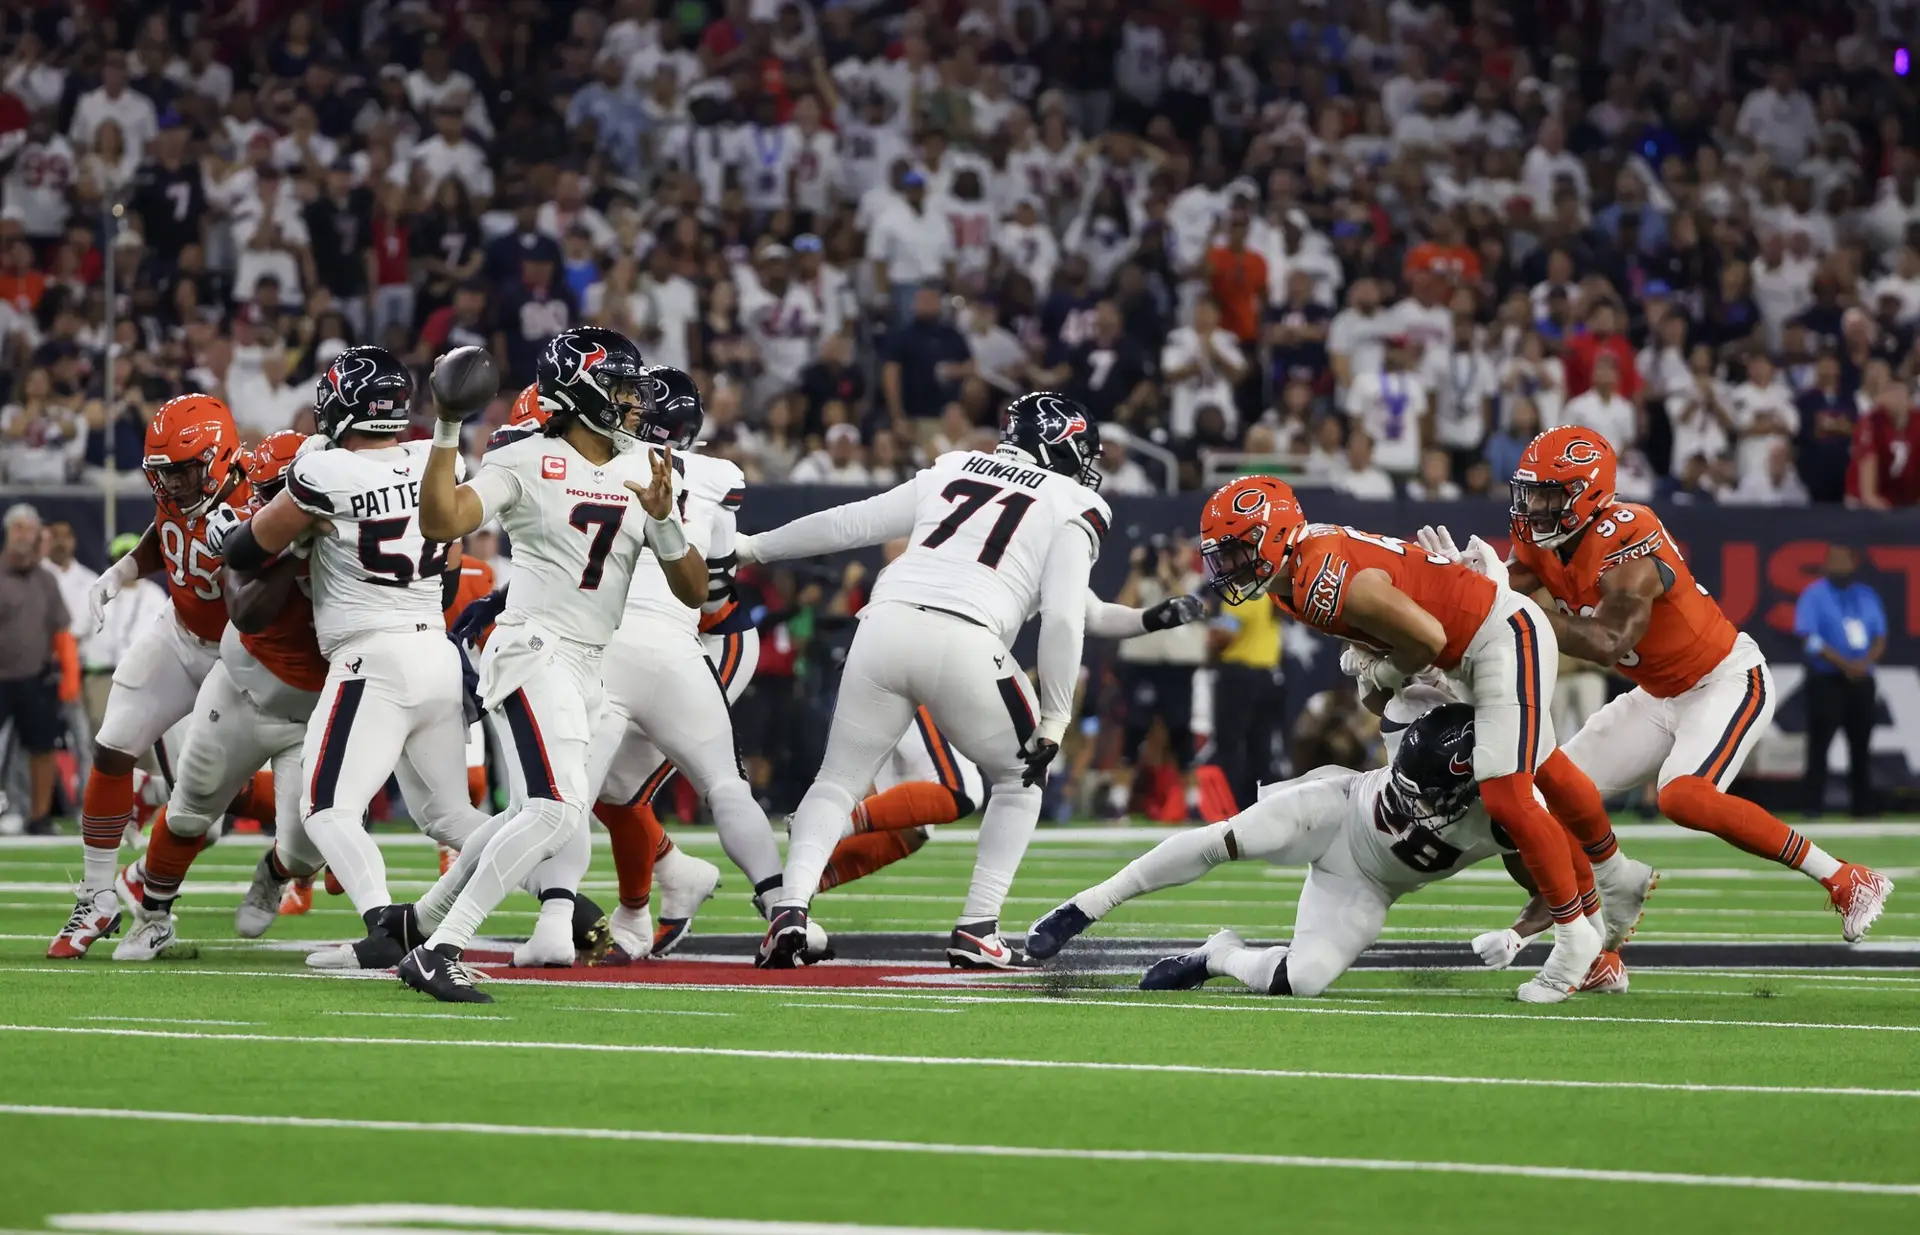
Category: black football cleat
<point>1056,930</point>
<point>977,945</point>
<point>440,974</point>
<point>402,923</point>
<point>592,936</point>
<point>1189,969</point>
<point>786,940</point>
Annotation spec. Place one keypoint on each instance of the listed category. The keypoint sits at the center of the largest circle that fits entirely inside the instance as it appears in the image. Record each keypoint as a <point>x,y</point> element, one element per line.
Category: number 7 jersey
<point>373,571</point>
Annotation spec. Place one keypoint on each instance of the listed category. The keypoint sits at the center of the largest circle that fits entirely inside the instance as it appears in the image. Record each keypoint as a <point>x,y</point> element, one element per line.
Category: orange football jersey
<point>476,581</point>
<point>287,648</point>
<point>1686,635</point>
<point>194,578</point>
<point>1326,557</point>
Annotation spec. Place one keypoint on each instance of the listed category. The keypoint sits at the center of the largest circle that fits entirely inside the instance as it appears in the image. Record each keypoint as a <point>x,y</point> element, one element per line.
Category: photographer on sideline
<point>1156,671</point>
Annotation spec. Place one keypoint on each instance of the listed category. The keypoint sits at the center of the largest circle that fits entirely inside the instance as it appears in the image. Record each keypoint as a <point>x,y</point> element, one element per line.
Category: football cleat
<point>1859,895</point>
<point>1607,977</point>
<point>1189,969</point>
<point>785,940</point>
<point>153,933</point>
<point>549,947</point>
<point>441,975</point>
<point>447,857</point>
<point>392,932</point>
<point>632,931</point>
<point>1624,888</point>
<point>592,937</point>
<point>819,947</point>
<point>298,898</point>
<point>333,886</point>
<point>95,915</point>
<point>131,884</point>
<point>264,902</point>
<point>979,946</point>
<point>1576,945</point>
<point>683,883</point>
<point>1054,931</point>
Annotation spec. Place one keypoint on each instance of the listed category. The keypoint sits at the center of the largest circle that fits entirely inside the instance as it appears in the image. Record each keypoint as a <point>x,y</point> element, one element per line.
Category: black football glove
<point>477,616</point>
<point>1174,611</point>
<point>1039,753</point>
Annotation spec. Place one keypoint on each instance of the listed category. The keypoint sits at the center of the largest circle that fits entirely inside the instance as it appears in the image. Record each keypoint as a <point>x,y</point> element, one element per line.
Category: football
<point>464,381</point>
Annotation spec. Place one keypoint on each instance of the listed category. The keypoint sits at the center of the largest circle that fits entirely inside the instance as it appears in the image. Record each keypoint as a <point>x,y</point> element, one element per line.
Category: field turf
<point>1707,1099</point>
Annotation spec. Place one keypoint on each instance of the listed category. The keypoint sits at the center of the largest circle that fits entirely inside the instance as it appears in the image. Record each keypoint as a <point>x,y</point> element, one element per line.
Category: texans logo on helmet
<point>1580,453</point>
<point>1459,766</point>
<point>1055,422</point>
<point>587,361</point>
<point>348,375</point>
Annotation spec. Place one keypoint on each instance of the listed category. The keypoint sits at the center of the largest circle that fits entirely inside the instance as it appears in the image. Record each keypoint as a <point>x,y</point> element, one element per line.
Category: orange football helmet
<point>527,409</point>
<point>1565,479</point>
<point>267,464</point>
<point>1245,534</point>
<point>191,452</point>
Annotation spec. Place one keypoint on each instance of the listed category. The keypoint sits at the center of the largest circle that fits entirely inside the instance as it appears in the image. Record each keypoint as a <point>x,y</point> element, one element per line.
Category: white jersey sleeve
<point>373,570</point>
<point>708,484</point>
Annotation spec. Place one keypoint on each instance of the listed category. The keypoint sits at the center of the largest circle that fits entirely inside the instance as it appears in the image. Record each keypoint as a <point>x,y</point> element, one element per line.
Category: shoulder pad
<point>510,434</point>
<point>306,484</point>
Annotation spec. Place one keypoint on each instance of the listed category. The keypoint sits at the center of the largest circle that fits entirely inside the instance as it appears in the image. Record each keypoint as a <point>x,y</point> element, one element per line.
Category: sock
<point>256,801</point>
<point>1575,802</point>
<point>1181,858</point>
<point>859,856</point>
<point>477,787</point>
<point>1696,802</point>
<point>910,804</point>
<point>635,849</point>
<point>557,907</point>
<point>105,809</point>
<point>1582,871</point>
<point>537,832</point>
<point>817,826</point>
<point>1539,838</point>
<point>168,857</point>
<point>1005,829</point>
<point>276,868</point>
<point>352,858</point>
<point>1251,967</point>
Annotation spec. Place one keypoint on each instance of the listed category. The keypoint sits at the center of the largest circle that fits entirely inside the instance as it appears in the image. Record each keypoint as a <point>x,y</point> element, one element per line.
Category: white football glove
<point>1437,541</point>
<point>1383,675</point>
<point>1481,557</point>
<point>112,581</point>
<point>1496,949</point>
<point>222,522</point>
<point>1356,660</point>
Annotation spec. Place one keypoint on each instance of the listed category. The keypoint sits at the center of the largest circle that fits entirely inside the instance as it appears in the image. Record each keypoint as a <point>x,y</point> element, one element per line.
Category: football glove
<point>477,616</point>
<point>1039,753</point>
<point>1484,560</point>
<point>222,522</point>
<point>1173,611</point>
<point>1437,541</point>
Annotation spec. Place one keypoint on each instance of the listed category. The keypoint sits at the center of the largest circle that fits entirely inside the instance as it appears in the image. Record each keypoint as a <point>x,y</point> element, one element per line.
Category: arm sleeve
<point>721,560</point>
<point>1063,621</point>
<point>876,520</point>
<point>496,487</point>
<point>1106,620</point>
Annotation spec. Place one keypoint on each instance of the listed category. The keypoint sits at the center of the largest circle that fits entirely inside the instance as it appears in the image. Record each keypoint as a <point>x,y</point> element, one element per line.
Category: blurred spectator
<point>1603,409</point>
<point>1827,418</point>
<point>1844,629</point>
<point>260,393</point>
<point>1885,472</point>
<point>1390,406</point>
<point>1297,333</point>
<point>782,320</point>
<point>832,378</point>
<point>1361,477</point>
<point>1435,481</point>
<point>42,434</point>
<point>1601,338</point>
<point>839,462</point>
<point>1773,483</point>
<point>1464,381</point>
<point>1200,364</point>
<point>909,246</point>
<point>928,357</point>
<point>1248,695</point>
<point>32,619</point>
<point>114,100</point>
<point>1506,444</point>
<point>1121,474</point>
<point>1764,416</point>
<point>1357,336</point>
<point>1105,371</point>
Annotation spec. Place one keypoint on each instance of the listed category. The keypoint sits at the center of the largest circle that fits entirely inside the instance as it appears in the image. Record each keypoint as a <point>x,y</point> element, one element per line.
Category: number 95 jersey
<point>373,571</point>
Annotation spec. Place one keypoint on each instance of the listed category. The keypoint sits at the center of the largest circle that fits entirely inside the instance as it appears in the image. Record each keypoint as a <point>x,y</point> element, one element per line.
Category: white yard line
<point>641,1011</point>
<point>1044,1065</point>
<point>852,1007</point>
<point>419,1016</point>
<point>947,1149</point>
<point>161,1020</point>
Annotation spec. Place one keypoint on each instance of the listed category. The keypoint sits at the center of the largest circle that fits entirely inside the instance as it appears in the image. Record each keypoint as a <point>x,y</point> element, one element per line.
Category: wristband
<point>446,434</point>
<point>666,538</point>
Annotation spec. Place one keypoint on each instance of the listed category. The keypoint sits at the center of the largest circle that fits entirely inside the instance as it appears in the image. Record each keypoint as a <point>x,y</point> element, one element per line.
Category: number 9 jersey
<point>373,571</point>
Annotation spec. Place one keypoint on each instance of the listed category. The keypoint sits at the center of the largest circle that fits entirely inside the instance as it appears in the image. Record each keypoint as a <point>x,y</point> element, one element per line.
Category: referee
<point>1248,696</point>
<point>1844,627</point>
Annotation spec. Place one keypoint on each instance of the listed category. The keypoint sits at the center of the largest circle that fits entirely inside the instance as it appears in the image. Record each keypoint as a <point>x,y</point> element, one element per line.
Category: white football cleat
<point>260,907</point>
<point>152,935</point>
<point>1624,887</point>
<point>819,945</point>
<point>1607,977</point>
<point>96,914</point>
<point>1859,895</point>
<point>1576,945</point>
<point>683,883</point>
<point>549,947</point>
<point>632,931</point>
<point>1497,949</point>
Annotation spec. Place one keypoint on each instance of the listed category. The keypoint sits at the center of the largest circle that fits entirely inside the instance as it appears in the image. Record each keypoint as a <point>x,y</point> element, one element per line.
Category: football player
<point>393,697</point>
<point>1412,610</point>
<point>1703,694</point>
<point>193,464</point>
<point>580,498</point>
<point>1367,839</point>
<point>994,537</point>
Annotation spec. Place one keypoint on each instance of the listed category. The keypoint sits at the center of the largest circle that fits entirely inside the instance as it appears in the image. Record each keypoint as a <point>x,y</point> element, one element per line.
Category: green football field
<point>237,1092</point>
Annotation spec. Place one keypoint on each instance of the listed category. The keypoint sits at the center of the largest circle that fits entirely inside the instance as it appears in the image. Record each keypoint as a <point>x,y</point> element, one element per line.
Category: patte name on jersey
<point>1000,469</point>
<point>386,500</point>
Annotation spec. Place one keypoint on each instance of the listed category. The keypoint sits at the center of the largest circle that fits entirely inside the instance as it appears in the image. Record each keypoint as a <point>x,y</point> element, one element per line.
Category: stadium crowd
<point>1373,245</point>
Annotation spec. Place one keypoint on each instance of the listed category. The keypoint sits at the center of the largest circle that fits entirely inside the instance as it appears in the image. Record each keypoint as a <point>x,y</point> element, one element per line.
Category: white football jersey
<point>984,525</point>
<point>374,571</point>
<point>577,530</point>
<point>1409,858</point>
<point>708,504</point>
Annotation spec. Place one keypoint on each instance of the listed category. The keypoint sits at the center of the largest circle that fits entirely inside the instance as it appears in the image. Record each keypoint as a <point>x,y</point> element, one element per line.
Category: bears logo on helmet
<point>1580,453</point>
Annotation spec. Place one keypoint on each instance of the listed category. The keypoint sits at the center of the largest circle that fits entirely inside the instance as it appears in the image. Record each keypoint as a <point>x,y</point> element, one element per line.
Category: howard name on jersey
<point>708,503</point>
<point>373,571</point>
<point>1405,858</point>
<point>983,527</point>
<point>577,530</point>
<point>1687,635</point>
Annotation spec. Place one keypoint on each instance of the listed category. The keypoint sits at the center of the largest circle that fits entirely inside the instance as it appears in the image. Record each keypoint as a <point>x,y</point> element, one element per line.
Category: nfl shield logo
<point>552,467</point>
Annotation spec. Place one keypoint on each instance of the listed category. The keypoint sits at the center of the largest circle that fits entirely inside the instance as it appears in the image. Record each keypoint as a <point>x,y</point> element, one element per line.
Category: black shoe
<point>1056,930</point>
<point>440,974</point>
<point>399,922</point>
<point>785,941</point>
<point>1176,973</point>
<point>41,827</point>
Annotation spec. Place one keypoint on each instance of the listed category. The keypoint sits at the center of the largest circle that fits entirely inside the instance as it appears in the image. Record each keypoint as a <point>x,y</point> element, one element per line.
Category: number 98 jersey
<point>374,571</point>
<point>983,528</point>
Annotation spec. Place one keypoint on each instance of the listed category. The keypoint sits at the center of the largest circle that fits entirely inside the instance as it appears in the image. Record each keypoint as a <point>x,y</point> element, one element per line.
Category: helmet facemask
<point>1544,511</point>
<point>181,484</point>
<point>1404,802</point>
<point>1236,569</point>
<point>623,419</point>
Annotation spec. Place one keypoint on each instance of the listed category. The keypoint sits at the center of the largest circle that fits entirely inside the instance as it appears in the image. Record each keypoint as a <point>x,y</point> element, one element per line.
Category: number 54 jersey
<point>982,529</point>
<point>374,571</point>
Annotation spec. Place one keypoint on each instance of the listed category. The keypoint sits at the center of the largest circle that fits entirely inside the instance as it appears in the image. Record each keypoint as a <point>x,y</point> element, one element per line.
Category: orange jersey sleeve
<point>1687,634</point>
<point>1327,558</point>
<point>476,581</point>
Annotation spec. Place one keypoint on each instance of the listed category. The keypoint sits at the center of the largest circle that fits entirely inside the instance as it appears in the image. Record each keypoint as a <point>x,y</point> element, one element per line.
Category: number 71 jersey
<point>983,528</point>
<point>374,571</point>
